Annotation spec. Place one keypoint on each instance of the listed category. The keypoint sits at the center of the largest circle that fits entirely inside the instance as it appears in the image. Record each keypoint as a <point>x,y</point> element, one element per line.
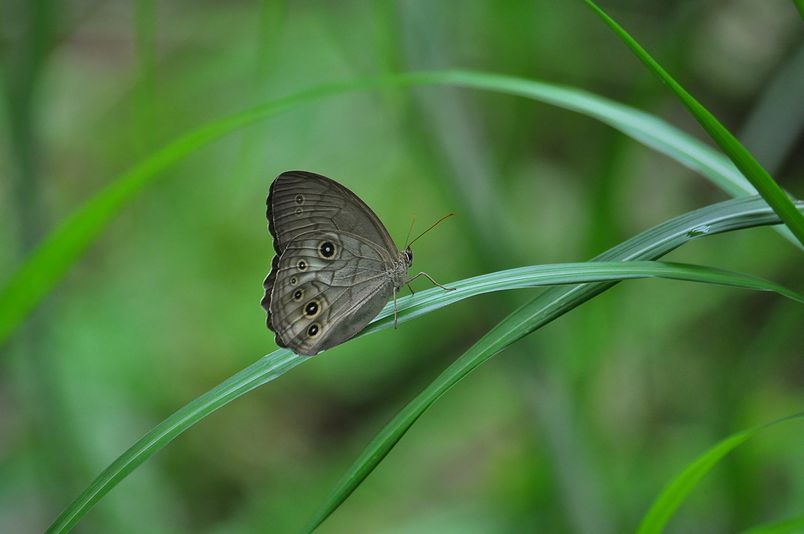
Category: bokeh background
<point>574,429</point>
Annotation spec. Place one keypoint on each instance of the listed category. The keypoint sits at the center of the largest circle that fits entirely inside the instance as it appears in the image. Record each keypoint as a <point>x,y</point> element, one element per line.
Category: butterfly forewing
<point>301,201</point>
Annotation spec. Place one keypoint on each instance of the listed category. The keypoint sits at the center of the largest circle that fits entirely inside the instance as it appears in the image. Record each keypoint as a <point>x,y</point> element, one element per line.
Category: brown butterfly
<point>335,266</point>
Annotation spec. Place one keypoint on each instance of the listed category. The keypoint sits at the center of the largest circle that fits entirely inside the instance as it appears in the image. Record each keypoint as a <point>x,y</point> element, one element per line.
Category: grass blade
<point>787,526</point>
<point>677,490</point>
<point>640,126</point>
<point>570,273</point>
<point>546,307</point>
<point>263,370</point>
<point>741,157</point>
<point>42,270</point>
<point>718,218</point>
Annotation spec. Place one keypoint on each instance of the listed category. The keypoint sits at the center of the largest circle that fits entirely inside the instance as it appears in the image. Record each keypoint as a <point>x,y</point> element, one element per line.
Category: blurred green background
<point>574,429</point>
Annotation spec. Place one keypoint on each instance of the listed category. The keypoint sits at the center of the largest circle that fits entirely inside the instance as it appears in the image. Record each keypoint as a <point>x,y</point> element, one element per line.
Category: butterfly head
<point>407,254</point>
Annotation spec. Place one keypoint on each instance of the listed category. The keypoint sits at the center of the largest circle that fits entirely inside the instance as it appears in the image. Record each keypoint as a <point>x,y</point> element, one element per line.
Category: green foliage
<point>800,6</point>
<point>540,311</point>
<point>116,307</point>
<point>279,362</point>
<point>741,157</point>
<point>788,526</point>
<point>62,247</point>
<point>680,487</point>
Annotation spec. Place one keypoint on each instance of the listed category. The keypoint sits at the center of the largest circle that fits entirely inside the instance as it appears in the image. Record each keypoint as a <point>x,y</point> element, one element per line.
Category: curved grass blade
<point>60,249</point>
<point>717,218</point>
<point>787,526</point>
<point>571,273</point>
<point>547,306</point>
<point>742,158</point>
<point>674,494</point>
<point>643,127</point>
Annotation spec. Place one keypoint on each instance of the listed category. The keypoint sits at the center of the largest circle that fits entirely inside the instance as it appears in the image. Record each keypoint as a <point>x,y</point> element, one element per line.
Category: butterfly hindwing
<point>325,288</point>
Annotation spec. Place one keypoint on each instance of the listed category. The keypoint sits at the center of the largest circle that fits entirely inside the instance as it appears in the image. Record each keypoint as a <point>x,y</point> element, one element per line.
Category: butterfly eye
<point>326,250</point>
<point>302,265</point>
<point>313,330</point>
<point>311,309</point>
<point>298,294</point>
<point>299,199</point>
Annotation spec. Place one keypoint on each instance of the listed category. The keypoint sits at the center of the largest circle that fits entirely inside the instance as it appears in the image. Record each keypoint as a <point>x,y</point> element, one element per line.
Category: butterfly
<point>335,266</point>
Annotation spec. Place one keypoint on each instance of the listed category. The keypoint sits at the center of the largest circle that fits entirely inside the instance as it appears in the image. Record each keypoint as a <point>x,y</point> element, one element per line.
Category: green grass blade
<point>787,526</point>
<point>640,126</point>
<point>263,370</point>
<point>570,273</point>
<point>741,157</point>
<point>718,218</point>
<point>800,6</point>
<point>546,307</point>
<point>679,488</point>
<point>40,272</point>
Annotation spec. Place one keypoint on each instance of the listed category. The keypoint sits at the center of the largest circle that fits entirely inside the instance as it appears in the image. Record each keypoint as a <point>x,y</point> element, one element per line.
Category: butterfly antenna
<point>439,221</point>
<point>410,230</point>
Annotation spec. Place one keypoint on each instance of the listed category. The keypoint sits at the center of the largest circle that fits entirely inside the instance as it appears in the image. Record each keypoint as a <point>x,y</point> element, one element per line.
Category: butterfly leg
<point>433,281</point>
<point>395,308</point>
<point>411,290</point>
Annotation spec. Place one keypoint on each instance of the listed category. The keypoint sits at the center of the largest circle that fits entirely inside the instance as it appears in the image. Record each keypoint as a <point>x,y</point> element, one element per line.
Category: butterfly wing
<point>300,202</point>
<point>329,277</point>
<point>319,300</point>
